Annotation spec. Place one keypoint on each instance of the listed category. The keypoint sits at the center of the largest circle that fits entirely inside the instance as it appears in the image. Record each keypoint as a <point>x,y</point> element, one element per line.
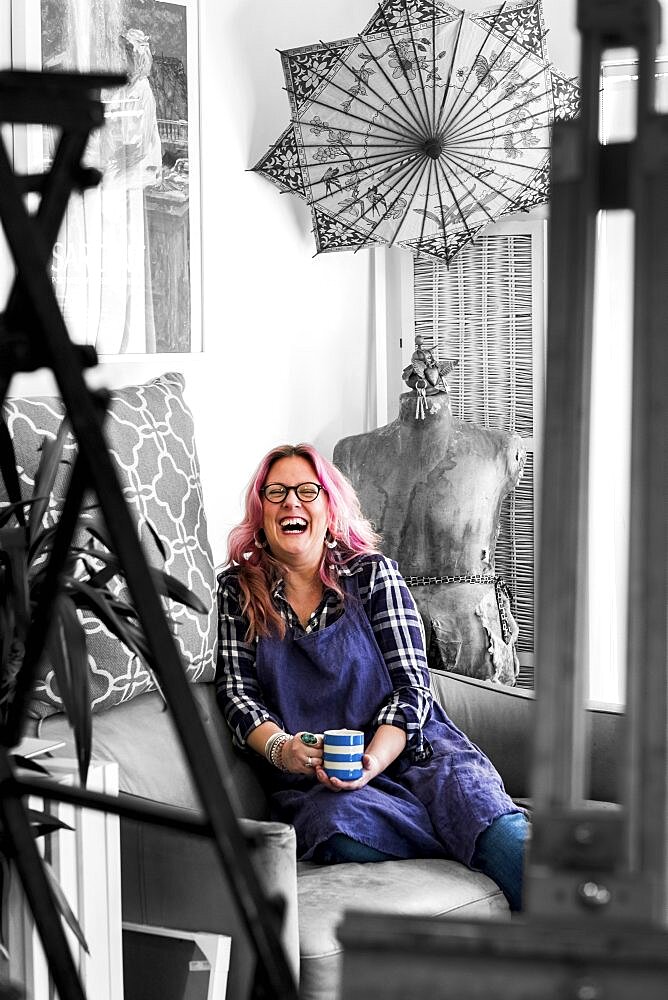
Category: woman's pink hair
<point>259,570</point>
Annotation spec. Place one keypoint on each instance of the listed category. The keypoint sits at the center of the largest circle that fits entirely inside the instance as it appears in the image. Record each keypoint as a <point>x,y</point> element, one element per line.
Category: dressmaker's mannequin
<point>433,487</point>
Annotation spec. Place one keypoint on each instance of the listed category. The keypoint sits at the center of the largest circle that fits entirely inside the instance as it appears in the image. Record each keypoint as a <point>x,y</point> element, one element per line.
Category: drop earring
<point>330,541</point>
<point>259,539</point>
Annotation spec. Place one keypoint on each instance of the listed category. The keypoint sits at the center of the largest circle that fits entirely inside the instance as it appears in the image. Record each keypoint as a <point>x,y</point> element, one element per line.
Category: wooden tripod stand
<point>595,923</point>
<point>33,335</point>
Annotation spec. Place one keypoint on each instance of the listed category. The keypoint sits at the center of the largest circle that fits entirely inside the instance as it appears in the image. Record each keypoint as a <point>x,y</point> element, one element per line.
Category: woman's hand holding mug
<point>303,753</point>
<point>360,766</point>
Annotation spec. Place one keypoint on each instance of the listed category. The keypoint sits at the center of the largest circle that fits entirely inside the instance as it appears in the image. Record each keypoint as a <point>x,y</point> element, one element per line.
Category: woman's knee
<point>499,853</point>
<point>342,849</point>
<point>506,833</point>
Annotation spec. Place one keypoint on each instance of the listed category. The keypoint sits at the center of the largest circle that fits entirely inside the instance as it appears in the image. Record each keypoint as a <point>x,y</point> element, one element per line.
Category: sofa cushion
<point>150,433</point>
<point>141,737</point>
<point>426,887</point>
<point>500,720</point>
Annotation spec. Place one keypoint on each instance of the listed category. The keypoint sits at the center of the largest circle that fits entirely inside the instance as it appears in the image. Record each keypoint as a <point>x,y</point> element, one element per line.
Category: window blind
<point>482,312</point>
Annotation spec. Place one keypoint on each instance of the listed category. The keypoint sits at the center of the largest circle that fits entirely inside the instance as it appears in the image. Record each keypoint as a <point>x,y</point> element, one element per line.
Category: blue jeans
<point>340,849</point>
<point>499,853</point>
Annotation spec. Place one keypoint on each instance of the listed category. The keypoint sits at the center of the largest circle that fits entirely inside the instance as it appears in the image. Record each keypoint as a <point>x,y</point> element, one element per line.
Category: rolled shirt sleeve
<point>237,689</point>
<point>399,632</point>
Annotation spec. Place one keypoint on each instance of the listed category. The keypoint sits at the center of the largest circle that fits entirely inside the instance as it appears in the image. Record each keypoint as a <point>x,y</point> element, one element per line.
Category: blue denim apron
<point>337,678</point>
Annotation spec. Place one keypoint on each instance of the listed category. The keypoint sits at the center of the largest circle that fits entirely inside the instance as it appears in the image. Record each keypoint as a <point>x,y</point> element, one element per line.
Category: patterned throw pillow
<point>150,433</point>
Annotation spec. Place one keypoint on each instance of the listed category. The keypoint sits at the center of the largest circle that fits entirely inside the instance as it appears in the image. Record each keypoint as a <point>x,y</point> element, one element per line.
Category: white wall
<point>296,360</point>
<point>287,335</point>
<point>288,338</point>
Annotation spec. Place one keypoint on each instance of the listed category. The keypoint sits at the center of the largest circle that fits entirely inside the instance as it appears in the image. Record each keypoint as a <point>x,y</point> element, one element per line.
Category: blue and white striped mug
<point>342,753</point>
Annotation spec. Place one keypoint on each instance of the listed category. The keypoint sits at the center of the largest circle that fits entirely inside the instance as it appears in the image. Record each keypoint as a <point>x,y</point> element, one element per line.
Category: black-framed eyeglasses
<point>277,492</point>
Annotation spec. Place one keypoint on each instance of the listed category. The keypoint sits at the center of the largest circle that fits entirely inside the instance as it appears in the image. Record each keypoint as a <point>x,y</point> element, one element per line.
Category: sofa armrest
<point>175,880</point>
<point>500,721</point>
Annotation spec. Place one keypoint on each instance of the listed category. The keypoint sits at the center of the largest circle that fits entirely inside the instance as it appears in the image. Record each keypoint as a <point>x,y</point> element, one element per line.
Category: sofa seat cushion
<point>142,738</point>
<point>427,887</point>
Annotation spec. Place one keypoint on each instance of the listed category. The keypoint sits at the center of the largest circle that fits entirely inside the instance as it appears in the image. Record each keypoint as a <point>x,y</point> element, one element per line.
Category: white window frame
<point>400,333</point>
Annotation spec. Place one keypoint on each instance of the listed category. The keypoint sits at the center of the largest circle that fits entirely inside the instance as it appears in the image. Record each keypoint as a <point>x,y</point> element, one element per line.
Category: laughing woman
<point>318,630</point>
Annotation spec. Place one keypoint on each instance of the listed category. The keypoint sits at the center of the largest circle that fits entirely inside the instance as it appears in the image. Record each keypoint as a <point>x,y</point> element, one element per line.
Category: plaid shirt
<point>397,627</point>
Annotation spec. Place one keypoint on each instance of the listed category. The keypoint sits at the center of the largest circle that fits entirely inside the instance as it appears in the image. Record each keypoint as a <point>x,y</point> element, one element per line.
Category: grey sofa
<point>173,880</point>
<point>170,879</point>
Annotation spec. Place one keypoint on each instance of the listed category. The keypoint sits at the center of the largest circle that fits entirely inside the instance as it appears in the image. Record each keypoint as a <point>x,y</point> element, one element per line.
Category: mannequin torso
<point>433,487</point>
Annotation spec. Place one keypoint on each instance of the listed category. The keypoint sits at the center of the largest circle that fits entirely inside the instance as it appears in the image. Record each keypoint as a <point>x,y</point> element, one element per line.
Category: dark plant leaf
<point>13,544</point>
<point>86,597</point>
<point>147,657</point>
<point>61,901</point>
<point>165,584</point>
<point>123,609</point>
<point>42,542</point>
<point>5,882</point>
<point>139,644</point>
<point>51,458</point>
<point>10,653</point>
<point>98,532</point>
<point>65,908</point>
<point>45,477</point>
<point>69,655</point>
<point>100,578</point>
<point>7,626</point>
<point>27,763</point>
<point>12,510</point>
<point>36,578</point>
<point>48,824</point>
<point>160,545</point>
<point>107,557</point>
<point>117,616</point>
<point>41,825</point>
<point>88,552</point>
<point>41,829</point>
<point>40,817</point>
<point>10,476</point>
<point>178,591</point>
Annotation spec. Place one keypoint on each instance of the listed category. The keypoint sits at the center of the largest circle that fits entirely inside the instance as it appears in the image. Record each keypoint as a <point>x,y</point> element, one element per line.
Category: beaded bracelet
<point>270,742</point>
<point>276,752</point>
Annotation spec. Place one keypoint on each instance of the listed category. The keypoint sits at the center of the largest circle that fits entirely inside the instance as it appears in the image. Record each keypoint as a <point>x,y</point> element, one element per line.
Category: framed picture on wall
<point>127,262</point>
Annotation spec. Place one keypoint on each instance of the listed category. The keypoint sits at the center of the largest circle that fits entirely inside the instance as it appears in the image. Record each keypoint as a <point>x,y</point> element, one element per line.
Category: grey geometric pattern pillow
<point>150,433</point>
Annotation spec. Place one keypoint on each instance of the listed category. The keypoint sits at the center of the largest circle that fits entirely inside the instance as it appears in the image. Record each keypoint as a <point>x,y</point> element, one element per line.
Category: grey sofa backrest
<point>142,738</point>
<point>500,721</point>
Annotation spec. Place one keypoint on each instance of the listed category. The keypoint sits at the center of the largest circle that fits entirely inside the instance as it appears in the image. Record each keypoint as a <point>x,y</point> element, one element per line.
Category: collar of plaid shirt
<point>329,609</point>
